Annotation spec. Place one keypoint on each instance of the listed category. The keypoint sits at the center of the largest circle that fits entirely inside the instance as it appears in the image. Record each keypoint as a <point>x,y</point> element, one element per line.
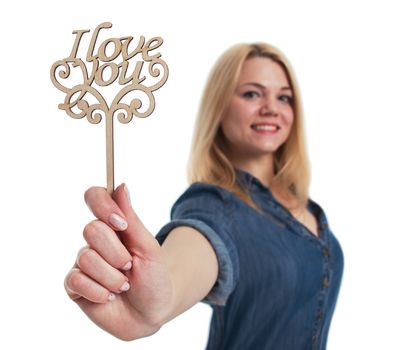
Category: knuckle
<point>86,257</point>
<point>82,249</point>
<point>74,280</point>
<point>92,230</point>
<point>93,194</point>
<point>77,285</point>
<point>89,192</point>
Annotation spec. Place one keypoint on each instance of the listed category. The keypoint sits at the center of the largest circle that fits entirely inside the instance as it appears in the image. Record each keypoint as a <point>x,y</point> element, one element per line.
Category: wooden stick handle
<point>109,153</point>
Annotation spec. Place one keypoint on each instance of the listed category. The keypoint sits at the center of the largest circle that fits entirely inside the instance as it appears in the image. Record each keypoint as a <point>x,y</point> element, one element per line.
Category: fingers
<point>101,238</point>
<point>104,208</point>
<point>116,211</point>
<point>94,266</point>
<point>78,285</point>
<point>94,279</point>
<point>96,274</point>
<point>136,237</point>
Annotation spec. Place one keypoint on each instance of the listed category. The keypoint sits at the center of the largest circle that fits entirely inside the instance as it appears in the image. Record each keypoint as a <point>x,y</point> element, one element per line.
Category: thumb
<point>136,238</point>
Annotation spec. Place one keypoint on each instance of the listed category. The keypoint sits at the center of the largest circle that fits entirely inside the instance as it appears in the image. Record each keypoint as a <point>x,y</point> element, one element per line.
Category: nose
<point>268,108</point>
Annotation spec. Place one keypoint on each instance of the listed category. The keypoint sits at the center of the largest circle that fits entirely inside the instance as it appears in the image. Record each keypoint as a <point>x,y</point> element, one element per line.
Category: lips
<point>265,127</point>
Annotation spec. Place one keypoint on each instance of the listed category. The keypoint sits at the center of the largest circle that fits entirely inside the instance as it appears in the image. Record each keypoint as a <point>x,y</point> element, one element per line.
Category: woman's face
<point>259,117</point>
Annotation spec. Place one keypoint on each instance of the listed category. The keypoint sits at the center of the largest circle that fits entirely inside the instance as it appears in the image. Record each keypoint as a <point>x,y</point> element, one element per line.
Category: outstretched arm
<point>125,281</point>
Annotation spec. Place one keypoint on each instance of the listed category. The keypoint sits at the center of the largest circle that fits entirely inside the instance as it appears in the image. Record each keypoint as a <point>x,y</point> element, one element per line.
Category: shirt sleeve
<point>207,209</point>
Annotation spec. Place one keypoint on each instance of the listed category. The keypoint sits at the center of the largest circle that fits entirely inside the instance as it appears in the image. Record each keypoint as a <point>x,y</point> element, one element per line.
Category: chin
<point>270,148</point>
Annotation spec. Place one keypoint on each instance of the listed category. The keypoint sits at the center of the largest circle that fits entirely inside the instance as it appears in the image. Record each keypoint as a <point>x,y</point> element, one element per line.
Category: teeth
<point>265,127</point>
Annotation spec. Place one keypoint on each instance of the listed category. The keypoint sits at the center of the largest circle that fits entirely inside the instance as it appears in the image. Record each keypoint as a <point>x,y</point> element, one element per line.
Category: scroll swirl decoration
<point>113,55</point>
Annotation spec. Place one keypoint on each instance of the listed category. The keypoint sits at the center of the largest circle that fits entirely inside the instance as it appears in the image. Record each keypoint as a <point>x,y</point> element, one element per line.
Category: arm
<point>125,281</point>
<point>193,268</point>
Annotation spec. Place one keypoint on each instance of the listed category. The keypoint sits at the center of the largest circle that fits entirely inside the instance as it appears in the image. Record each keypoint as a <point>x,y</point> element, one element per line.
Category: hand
<point>120,279</point>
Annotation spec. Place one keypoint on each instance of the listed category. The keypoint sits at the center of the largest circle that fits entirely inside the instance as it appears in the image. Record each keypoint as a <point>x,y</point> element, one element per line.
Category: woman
<point>245,237</point>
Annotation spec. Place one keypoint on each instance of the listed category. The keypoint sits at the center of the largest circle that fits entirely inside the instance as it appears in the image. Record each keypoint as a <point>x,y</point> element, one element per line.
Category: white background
<point>344,54</point>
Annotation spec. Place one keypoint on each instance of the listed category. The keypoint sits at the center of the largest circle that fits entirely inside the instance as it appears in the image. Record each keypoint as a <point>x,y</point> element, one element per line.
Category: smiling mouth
<point>265,127</point>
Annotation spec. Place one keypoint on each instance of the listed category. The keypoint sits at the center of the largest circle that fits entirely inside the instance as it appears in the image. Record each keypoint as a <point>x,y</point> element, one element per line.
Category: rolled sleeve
<point>205,208</point>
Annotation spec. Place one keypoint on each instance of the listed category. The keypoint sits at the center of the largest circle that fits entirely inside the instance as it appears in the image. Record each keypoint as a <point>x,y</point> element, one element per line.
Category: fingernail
<point>127,194</point>
<point>118,222</point>
<point>127,266</point>
<point>111,297</point>
<point>125,286</point>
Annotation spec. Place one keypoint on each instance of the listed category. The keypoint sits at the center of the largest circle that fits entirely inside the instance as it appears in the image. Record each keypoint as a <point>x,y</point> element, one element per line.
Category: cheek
<point>288,119</point>
<point>232,127</point>
<point>227,128</point>
<point>232,119</point>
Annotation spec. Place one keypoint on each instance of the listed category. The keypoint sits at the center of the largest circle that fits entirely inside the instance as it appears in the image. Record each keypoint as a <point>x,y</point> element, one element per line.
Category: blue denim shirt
<point>278,283</point>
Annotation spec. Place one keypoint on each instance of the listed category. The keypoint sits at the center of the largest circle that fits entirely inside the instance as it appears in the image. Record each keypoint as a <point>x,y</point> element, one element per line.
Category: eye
<point>250,94</point>
<point>286,98</point>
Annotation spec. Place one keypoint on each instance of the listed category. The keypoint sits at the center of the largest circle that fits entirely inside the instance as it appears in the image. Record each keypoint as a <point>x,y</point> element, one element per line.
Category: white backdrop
<point>344,54</point>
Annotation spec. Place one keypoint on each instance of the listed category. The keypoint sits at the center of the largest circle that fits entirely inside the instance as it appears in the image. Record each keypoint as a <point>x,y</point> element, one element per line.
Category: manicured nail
<point>127,194</point>
<point>111,297</point>
<point>118,222</point>
<point>127,266</point>
<point>125,286</point>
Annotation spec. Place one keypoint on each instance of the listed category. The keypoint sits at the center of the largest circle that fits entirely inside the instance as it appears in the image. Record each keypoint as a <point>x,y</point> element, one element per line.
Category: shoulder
<point>317,210</point>
<point>203,189</point>
<point>200,195</point>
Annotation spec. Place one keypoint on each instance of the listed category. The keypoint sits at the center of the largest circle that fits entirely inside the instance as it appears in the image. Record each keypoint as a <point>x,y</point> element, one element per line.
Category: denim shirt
<point>278,283</point>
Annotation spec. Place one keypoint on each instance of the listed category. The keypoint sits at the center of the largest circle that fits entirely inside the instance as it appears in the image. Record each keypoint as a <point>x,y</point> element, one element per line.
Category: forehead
<point>264,71</point>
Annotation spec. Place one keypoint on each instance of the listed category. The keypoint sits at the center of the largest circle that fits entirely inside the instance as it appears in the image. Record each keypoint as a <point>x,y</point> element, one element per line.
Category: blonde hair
<point>208,161</point>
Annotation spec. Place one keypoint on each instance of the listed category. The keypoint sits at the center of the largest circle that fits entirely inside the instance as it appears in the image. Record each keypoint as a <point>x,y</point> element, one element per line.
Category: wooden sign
<point>125,59</point>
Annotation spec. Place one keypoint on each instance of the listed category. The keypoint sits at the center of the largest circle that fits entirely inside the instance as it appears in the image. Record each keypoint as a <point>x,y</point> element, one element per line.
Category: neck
<point>262,168</point>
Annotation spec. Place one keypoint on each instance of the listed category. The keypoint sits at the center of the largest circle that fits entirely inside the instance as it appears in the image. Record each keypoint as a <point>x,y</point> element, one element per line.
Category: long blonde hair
<point>208,161</point>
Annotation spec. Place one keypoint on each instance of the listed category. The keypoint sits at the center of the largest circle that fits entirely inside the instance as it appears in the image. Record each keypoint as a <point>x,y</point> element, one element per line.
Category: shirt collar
<point>253,184</point>
<point>248,181</point>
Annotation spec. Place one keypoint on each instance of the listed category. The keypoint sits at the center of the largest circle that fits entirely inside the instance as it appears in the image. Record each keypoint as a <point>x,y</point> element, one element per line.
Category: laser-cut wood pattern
<point>101,60</point>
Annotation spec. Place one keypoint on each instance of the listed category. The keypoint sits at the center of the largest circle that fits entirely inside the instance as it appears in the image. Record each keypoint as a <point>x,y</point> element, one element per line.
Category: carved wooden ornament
<point>116,58</point>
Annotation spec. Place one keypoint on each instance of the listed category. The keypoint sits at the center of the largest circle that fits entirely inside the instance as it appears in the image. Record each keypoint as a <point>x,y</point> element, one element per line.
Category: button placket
<point>320,313</point>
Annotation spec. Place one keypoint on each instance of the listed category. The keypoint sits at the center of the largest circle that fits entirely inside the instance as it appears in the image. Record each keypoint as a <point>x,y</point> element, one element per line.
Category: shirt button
<point>325,282</point>
<point>320,315</point>
<point>326,252</point>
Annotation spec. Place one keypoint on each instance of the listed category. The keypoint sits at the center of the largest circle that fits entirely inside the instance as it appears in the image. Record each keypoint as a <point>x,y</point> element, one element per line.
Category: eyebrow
<point>264,87</point>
